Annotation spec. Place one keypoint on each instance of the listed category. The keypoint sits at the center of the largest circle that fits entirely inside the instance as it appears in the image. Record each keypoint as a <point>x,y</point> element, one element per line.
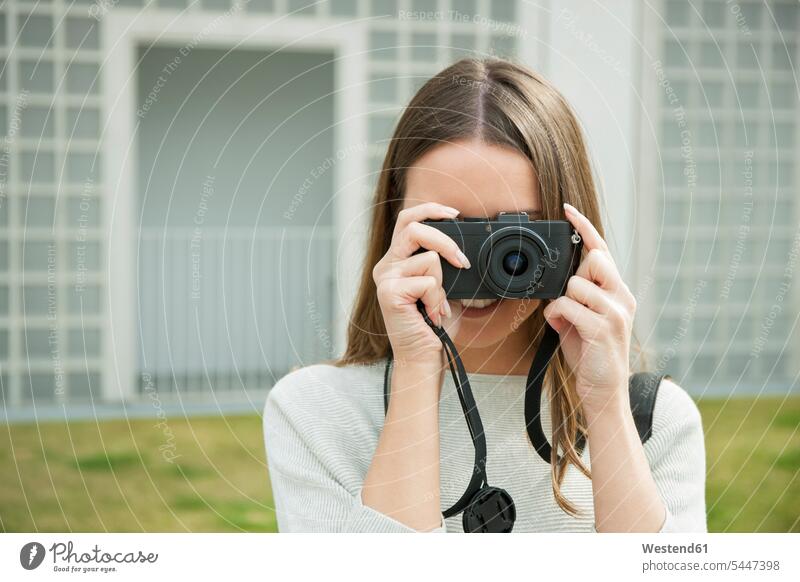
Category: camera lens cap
<point>490,511</point>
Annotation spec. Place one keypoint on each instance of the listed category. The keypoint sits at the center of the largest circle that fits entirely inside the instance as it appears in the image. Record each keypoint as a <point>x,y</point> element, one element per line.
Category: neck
<point>511,356</point>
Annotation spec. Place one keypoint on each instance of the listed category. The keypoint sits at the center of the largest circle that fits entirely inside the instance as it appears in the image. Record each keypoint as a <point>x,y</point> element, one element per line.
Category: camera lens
<point>515,263</point>
<point>511,261</point>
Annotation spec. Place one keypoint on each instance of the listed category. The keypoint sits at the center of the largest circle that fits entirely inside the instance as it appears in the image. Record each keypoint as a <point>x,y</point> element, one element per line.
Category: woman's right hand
<point>402,277</point>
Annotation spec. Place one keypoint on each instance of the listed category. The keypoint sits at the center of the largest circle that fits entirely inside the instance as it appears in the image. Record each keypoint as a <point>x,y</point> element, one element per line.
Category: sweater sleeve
<point>310,491</point>
<point>676,452</point>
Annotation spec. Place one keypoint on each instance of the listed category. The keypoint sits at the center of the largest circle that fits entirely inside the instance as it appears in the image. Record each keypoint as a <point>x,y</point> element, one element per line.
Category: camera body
<point>510,256</point>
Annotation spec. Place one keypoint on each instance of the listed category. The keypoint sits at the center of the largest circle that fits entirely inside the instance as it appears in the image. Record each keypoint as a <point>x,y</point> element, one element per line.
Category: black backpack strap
<point>643,389</point>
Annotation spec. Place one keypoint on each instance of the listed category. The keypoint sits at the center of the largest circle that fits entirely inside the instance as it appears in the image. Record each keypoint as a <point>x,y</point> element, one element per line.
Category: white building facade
<point>186,185</point>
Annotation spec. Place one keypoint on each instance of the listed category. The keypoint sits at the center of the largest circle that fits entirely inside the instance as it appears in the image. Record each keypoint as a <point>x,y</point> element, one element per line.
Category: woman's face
<point>480,180</point>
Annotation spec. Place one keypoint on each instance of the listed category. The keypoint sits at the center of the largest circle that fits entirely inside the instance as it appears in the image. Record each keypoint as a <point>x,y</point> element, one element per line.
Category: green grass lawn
<point>113,476</point>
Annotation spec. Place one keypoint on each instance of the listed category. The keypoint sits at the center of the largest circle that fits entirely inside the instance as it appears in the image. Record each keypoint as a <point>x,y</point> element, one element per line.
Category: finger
<point>422,212</point>
<point>598,267</point>
<point>591,238</point>
<point>409,289</point>
<point>417,235</point>
<point>586,321</point>
<point>427,263</point>
<point>587,293</point>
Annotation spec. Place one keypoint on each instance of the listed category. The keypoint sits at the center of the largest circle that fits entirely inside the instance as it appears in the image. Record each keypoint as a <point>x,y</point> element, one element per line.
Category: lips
<point>477,307</point>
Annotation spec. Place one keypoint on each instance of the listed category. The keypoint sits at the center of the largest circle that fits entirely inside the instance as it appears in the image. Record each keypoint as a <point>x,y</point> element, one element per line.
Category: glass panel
<point>83,386</point>
<point>747,56</point>
<point>38,255</point>
<point>503,10</point>
<point>40,211</point>
<point>783,94</point>
<point>84,342</point>
<point>503,45</point>
<point>83,123</point>
<point>82,167</point>
<point>36,343</point>
<point>786,15</point>
<point>423,47</point>
<point>35,30</point>
<point>38,167</point>
<point>180,4</point>
<point>3,345</point>
<point>38,386</point>
<point>680,92</point>
<point>674,213</point>
<point>670,132</point>
<point>215,4</point>
<point>423,5</point>
<point>748,94</point>
<point>709,55</point>
<point>675,53</point>
<point>463,9</point>
<point>86,298</point>
<point>302,7</point>
<point>82,32</point>
<point>708,173</point>
<point>714,14</point>
<point>82,212</point>
<point>713,92</point>
<point>342,7</point>
<point>35,299</point>
<point>677,13</point>
<point>748,16</point>
<point>36,122</point>
<point>671,251</point>
<point>36,77</point>
<point>383,45</point>
<point>782,55</point>
<point>382,89</point>
<point>384,8</point>
<point>83,78</point>
<point>85,255</point>
<point>380,128</point>
<point>785,173</point>
<point>673,173</point>
<point>707,134</point>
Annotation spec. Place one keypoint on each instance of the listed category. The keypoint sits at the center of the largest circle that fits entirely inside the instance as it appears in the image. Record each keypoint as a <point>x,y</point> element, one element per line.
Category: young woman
<point>479,138</point>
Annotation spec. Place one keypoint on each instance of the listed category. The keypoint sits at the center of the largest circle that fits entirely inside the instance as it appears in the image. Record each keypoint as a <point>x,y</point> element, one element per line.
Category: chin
<point>484,323</point>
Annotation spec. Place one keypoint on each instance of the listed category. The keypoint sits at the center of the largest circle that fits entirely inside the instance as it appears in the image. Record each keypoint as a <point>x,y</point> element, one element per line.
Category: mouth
<point>477,307</point>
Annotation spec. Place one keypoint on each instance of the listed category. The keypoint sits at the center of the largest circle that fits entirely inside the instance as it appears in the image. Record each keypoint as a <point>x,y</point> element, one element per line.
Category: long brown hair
<point>497,102</point>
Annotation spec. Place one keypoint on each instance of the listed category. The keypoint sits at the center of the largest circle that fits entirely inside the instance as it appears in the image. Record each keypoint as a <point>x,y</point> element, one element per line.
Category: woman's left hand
<point>594,320</point>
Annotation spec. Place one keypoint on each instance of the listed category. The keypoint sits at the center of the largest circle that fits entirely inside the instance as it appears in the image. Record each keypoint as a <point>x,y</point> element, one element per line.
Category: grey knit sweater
<point>321,428</point>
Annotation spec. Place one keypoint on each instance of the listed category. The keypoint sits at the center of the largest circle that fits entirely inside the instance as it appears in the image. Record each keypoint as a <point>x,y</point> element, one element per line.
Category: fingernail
<point>451,210</point>
<point>462,258</point>
<point>447,311</point>
<point>570,208</point>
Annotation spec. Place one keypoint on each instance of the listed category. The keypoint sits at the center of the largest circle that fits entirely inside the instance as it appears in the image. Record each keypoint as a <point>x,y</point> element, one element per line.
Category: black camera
<point>510,256</point>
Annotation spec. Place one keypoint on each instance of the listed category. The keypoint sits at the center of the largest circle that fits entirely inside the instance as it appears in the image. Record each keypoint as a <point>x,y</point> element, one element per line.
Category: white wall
<point>589,50</point>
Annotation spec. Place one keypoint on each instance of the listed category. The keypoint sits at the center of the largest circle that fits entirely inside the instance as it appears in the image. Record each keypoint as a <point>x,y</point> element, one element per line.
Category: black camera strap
<point>486,509</point>
<point>468,405</point>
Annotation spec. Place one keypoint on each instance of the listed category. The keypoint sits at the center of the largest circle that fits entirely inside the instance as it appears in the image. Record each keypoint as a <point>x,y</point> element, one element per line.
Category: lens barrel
<point>511,261</point>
